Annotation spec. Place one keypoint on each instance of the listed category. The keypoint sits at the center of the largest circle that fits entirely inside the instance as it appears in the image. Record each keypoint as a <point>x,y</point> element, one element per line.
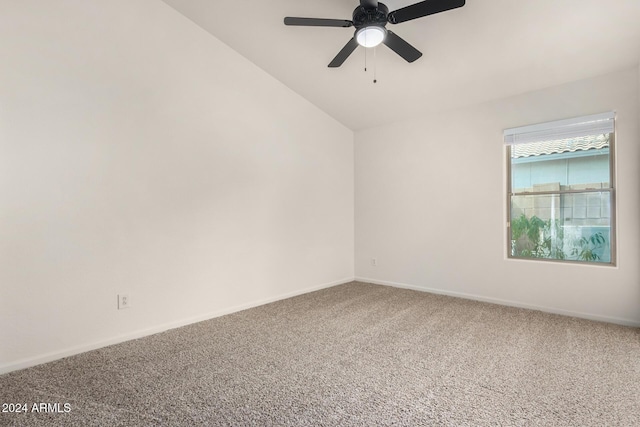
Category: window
<point>561,194</point>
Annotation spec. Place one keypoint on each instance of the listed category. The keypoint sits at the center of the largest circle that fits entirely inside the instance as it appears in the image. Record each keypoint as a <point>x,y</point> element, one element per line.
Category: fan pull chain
<point>375,68</point>
<point>365,59</point>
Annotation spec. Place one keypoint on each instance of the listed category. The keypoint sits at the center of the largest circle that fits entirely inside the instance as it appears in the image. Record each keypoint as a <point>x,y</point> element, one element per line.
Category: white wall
<point>140,155</point>
<point>415,182</point>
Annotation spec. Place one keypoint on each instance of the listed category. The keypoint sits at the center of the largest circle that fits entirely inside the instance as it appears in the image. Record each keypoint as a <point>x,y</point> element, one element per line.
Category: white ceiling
<point>486,50</point>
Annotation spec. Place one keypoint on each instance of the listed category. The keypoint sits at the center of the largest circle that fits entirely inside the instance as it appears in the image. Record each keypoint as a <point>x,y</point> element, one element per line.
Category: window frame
<point>613,203</point>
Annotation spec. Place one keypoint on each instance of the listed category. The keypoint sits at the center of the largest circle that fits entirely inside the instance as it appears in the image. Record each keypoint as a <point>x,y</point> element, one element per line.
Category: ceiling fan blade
<point>401,47</point>
<point>368,4</point>
<point>424,8</point>
<point>317,22</point>
<point>344,53</point>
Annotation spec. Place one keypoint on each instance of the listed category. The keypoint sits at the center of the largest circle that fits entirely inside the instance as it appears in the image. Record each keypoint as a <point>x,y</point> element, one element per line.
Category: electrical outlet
<point>123,301</point>
<point>374,261</point>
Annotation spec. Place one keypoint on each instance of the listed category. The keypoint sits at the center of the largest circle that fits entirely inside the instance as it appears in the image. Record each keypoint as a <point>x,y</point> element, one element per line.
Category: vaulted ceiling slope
<point>486,50</point>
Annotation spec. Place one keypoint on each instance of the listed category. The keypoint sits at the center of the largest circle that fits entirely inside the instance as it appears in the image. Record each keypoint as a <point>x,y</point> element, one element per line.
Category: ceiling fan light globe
<point>370,36</point>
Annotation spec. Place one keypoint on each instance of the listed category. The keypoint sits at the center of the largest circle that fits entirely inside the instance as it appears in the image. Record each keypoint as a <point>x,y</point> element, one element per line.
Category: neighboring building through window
<point>561,196</point>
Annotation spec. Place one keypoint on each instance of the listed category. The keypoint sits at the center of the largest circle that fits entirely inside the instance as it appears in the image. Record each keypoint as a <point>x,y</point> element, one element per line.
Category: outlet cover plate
<point>123,301</point>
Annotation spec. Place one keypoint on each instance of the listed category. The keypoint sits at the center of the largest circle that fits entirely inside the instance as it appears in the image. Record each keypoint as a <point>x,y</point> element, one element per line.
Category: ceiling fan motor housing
<point>366,17</point>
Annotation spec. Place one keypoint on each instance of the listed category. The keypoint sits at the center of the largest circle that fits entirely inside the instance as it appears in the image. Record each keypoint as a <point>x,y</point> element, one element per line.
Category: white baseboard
<point>589,316</point>
<point>49,357</point>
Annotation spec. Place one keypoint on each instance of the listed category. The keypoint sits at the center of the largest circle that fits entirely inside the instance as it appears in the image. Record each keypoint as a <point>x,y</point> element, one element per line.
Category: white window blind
<point>596,124</point>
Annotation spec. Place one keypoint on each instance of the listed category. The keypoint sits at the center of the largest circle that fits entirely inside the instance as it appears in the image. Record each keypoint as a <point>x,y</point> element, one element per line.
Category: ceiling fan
<point>370,20</point>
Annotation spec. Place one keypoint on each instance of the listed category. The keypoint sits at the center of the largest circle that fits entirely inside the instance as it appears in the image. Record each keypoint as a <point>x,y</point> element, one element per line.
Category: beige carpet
<point>352,355</point>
